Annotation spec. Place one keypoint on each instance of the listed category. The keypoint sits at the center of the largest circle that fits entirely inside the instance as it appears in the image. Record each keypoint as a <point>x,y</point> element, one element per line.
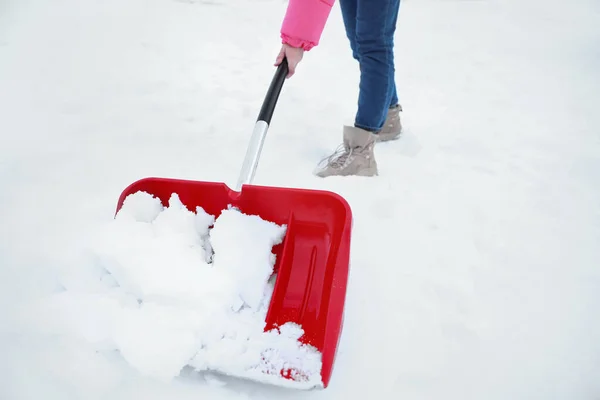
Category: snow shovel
<point>312,263</point>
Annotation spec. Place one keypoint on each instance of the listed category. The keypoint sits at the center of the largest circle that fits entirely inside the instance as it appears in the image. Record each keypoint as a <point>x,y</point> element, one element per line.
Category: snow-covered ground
<point>476,253</point>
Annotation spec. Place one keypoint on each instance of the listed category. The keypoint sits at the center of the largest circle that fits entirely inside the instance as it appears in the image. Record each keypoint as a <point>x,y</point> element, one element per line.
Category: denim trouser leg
<point>370,27</point>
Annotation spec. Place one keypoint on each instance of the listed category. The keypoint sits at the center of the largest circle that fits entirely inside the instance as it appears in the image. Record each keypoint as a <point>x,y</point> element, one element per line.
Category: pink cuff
<point>295,42</point>
<point>304,22</point>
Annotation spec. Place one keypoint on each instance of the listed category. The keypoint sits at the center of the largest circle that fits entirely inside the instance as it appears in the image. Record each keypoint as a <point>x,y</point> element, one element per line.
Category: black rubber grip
<point>268,106</point>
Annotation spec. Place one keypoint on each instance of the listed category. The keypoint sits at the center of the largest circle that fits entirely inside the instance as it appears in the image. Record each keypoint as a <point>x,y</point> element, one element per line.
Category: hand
<point>293,55</point>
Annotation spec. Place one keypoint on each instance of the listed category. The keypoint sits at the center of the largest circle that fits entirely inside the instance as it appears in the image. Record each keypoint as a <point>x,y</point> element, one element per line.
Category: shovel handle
<point>261,127</point>
<point>268,106</point>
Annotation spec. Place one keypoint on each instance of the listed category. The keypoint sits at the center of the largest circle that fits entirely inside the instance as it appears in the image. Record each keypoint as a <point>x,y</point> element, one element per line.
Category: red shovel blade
<point>312,263</point>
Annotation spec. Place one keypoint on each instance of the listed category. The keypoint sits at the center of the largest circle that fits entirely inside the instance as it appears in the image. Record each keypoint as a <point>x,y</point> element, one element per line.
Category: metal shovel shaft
<point>261,127</point>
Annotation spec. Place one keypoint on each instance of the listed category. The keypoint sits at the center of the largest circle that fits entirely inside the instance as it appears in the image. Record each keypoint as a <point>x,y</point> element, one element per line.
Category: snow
<point>183,289</point>
<point>475,260</point>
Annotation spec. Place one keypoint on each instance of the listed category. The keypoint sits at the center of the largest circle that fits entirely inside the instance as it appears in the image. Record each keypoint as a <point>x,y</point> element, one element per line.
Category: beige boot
<point>354,157</point>
<point>393,127</point>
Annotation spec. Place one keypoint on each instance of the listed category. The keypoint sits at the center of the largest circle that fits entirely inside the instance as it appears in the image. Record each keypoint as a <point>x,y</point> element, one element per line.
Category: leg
<point>392,127</point>
<point>370,27</point>
<point>375,28</point>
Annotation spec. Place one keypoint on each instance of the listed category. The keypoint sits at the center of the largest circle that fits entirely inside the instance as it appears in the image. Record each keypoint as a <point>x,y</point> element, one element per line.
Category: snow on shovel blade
<point>312,263</point>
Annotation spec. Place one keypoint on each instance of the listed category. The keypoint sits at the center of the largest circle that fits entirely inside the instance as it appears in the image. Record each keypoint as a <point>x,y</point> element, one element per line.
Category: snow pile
<point>178,293</point>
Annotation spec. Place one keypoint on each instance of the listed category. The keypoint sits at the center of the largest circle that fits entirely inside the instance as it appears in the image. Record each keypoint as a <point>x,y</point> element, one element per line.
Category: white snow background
<point>475,267</point>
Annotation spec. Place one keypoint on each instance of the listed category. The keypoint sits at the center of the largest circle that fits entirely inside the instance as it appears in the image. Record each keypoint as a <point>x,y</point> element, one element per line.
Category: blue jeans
<point>370,27</point>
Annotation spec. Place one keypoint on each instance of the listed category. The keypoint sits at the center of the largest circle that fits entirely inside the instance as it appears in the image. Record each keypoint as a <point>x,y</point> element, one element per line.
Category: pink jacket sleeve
<point>304,22</point>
